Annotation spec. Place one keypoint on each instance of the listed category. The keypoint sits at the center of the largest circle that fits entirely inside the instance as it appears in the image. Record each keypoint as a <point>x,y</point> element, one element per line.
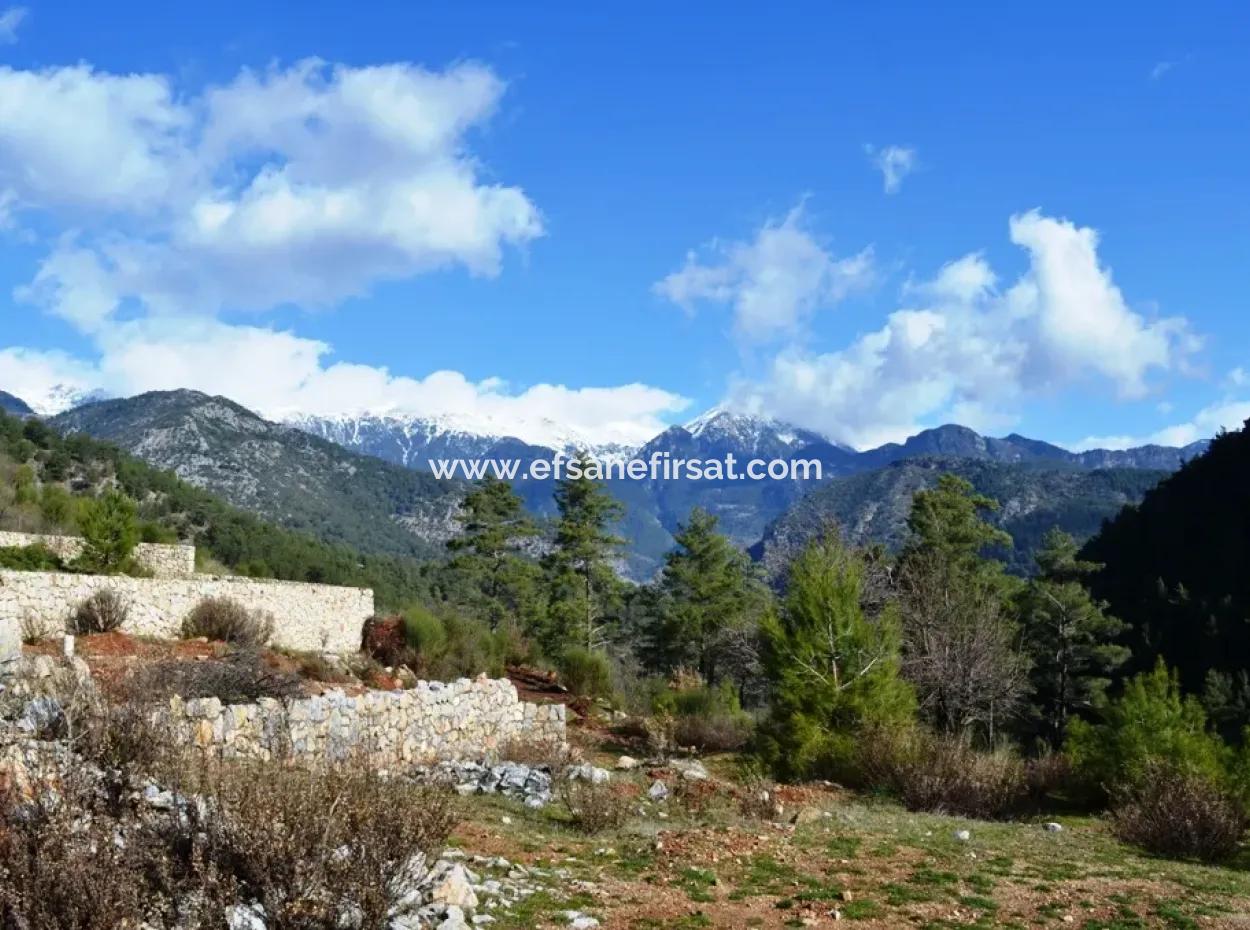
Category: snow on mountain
<point>58,398</point>
<point>409,439</point>
<point>761,435</point>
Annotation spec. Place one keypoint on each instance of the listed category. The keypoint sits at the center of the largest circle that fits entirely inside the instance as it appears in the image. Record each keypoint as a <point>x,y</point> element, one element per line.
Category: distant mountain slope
<point>873,506</point>
<point>284,474</point>
<point>15,405</point>
<point>171,508</point>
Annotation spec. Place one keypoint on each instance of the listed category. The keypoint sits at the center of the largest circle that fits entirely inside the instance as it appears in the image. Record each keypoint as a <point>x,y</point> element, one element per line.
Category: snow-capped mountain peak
<point>745,431</point>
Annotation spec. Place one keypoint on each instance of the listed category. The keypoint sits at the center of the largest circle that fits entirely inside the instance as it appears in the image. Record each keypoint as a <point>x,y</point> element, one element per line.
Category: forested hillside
<point>43,474</point>
<point>285,475</point>
<point>1177,569</point>
<point>873,507</point>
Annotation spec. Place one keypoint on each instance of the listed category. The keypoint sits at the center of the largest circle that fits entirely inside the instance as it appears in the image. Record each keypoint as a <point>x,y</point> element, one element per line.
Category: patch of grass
<point>697,884</point>
<point>862,910</point>
<point>844,847</point>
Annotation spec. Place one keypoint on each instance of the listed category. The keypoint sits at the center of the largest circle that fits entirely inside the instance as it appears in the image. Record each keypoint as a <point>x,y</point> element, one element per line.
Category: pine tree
<point>110,531</point>
<point>491,575</point>
<point>834,671</point>
<point>1068,636</point>
<point>711,602</point>
<point>584,592</point>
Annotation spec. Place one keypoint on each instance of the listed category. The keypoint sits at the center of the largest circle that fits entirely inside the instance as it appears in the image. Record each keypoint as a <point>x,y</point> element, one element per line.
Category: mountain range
<point>365,482</point>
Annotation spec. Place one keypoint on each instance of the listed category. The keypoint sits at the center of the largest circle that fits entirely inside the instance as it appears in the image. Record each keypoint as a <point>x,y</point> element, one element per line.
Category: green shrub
<point>834,670</point>
<point>449,646</point>
<point>1150,723</point>
<point>1180,814</point>
<point>707,719</point>
<point>586,672</point>
<point>36,558</point>
<point>110,532</point>
<point>224,620</point>
<point>105,611</point>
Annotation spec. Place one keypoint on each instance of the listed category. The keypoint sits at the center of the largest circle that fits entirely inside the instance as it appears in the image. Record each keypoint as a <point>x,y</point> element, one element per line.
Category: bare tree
<point>959,645</point>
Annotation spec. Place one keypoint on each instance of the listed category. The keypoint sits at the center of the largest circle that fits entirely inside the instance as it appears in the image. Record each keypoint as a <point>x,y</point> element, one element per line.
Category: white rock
<point>590,773</point>
<point>963,835</point>
<point>658,791</point>
<point>627,763</point>
<point>453,919</point>
<point>1053,827</point>
<point>691,770</point>
<point>245,917</point>
<point>579,921</point>
<point>455,890</point>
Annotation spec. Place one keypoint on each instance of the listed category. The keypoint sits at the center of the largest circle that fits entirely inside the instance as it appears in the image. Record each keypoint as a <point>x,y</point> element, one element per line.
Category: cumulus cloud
<point>10,20</point>
<point>773,283</point>
<point>970,351</point>
<point>895,162</point>
<point>302,185</point>
<point>280,375</point>
<point>297,185</point>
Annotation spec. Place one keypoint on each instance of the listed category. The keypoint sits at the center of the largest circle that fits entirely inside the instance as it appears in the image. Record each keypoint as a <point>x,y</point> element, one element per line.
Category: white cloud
<point>302,185</point>
<point>895,162</point>
<point>972,353</point>
<point>774,282</point>
<point>280,374</point>
<point>10,20</point>
<point>1160,69</point>
<point>1229,414</point>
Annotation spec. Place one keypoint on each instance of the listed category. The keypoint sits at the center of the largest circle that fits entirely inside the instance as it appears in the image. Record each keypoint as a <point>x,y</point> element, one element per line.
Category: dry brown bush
<point>552,755</point>
<point>594,808</point>
<point>105,611</point>
<point>311,845</point>
<point>225,620</point>
<point>929,772</point>
<point>241,678</point>
<point>1180,815</point>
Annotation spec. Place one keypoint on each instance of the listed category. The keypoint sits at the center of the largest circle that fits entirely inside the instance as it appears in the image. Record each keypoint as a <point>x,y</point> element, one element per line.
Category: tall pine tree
<point>489,573</point>
<point>834,671</point>
<point>711,603</point>
<point>1068,636</point>
<point>584,592</point>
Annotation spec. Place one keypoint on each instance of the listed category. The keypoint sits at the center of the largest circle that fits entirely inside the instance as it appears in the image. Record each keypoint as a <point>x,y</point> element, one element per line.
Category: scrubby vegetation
<point>224,620</point>
<point>105,611</point>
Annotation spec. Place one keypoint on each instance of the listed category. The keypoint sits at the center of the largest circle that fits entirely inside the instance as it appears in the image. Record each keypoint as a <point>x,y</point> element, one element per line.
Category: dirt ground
<point>697,861</point>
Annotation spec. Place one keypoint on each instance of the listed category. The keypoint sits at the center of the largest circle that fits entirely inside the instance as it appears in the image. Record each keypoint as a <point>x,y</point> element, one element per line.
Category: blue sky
<point>615,218</point>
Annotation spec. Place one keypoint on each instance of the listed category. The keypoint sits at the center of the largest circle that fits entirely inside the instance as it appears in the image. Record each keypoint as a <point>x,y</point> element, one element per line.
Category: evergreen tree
<point>1068,636</point>
<point>488,571</point>
<point>1152,721</point>
<point>959,624</point>
<point>584,592</point>
<point>110,531</point>
<point>711,602</point>
<point>834,671</point>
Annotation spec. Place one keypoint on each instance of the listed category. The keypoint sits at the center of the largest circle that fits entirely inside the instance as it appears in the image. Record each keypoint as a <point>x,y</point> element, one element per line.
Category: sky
<point>864,219</point>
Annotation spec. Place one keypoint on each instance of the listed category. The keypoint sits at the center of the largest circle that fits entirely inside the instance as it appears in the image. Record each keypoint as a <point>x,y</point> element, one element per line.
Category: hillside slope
<point>872,507</point>
<point>287,476</point>
<point>1177,568</point>
<point>171,509</point>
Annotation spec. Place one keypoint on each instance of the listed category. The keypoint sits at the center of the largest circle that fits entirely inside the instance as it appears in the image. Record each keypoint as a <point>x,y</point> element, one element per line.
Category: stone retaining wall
<point>310,617</point>
<point>432,722</point>
<point>163,561</point>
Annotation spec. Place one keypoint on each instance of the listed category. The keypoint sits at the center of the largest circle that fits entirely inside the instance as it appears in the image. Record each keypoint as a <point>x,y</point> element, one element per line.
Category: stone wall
<point>312,617</point>
<point>432,722</point>
<point>163,561</point>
